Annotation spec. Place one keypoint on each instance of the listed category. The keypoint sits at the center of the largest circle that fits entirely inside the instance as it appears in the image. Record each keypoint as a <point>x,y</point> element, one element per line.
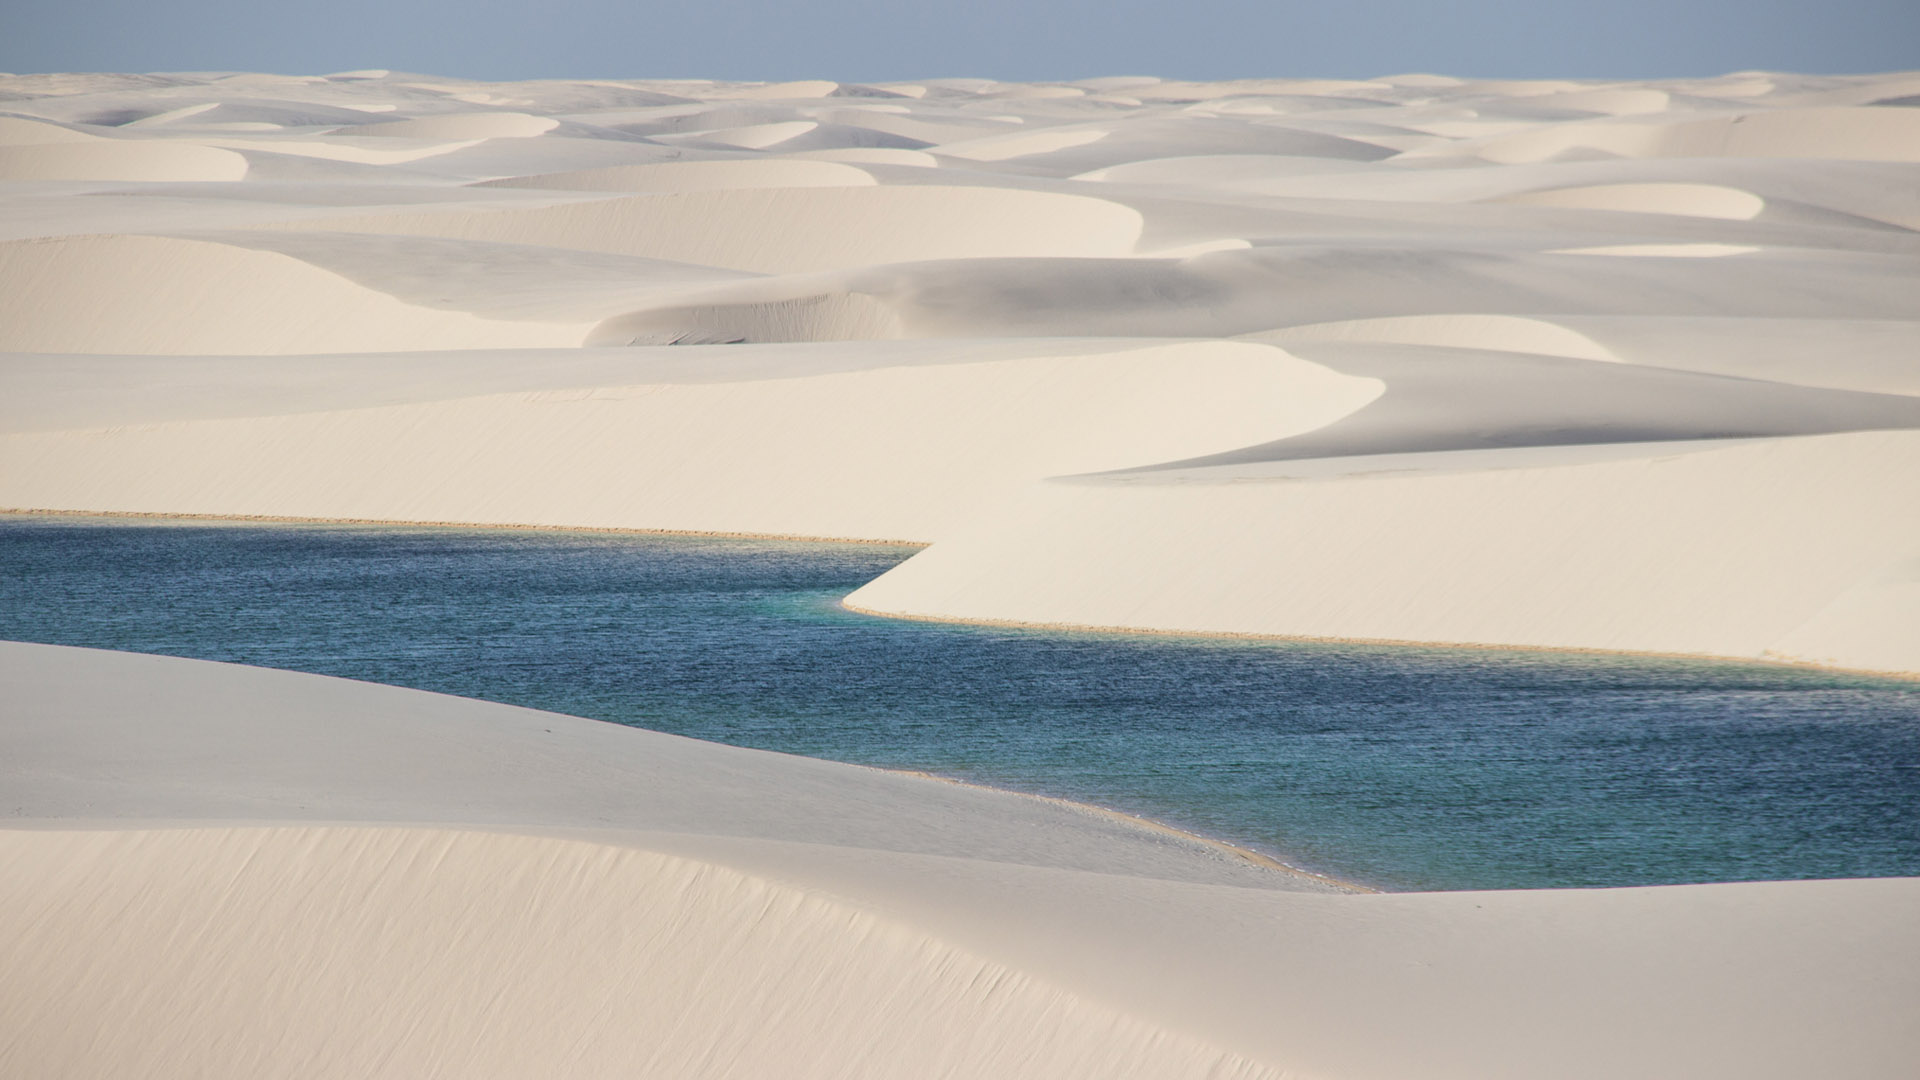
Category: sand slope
<point>144,294</point>
<point>1677,548</point>
<point>513,956</point>
<point>328,863</point>
<point>786,229</point>
<point>901,451</point>
<point>895,310</point>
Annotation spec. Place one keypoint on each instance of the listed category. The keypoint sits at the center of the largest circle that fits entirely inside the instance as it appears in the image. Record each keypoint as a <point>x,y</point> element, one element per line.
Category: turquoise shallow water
<point>1398,767</point>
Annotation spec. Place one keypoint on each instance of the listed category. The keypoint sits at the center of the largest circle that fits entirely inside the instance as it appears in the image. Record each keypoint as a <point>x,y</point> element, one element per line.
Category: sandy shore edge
<point>1161,828</point>
<point>290,519</point>
<point>1477,646</point>
<point>1011,624</point>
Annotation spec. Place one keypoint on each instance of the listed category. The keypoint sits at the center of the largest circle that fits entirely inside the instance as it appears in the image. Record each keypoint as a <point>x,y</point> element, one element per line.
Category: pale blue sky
<point>853,40</point>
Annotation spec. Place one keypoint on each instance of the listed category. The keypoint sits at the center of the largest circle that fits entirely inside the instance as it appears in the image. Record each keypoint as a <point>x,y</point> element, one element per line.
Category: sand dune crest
<point>1506,333</point>
<point>787,230</point>
<point>933,443</point>
<point>698,176</point>
<point>1694,200</point>
<point>109,159</point>
<point>149,294</point>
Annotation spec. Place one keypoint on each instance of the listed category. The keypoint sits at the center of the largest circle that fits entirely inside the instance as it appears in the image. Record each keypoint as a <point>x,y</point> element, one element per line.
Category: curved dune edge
<point>1781,660</point>
<point>1502,333</point>
<point>1662,251</point>
<point>430,952</point>
<point>1789,655</point>
<point>824,316</point>
<point>134,294</point>
<point>21,131</point>
<point>931,443</point>
<point>120,160</point>
<point>457,126</point>
<point>1684,200</point>
<point>794,229</point>
<point>1003,146</point>
<point>742,137</point>
<point>1846,133</point>
<point>357,151</point>
<point>697,176</point>
<point>1225,847</point>
<point>612,901</point>
<point>1667,552</point>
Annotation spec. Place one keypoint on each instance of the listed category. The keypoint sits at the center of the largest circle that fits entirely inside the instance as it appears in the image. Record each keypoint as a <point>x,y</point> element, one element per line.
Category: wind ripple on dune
<point>421,952</point>
<point>713,909</point>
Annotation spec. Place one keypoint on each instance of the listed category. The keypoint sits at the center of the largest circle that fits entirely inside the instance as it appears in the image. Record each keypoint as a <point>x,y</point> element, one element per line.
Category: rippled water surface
<point>1405,768</point>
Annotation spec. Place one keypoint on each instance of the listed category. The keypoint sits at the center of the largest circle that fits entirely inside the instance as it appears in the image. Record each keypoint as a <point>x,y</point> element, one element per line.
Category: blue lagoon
<point>1398,767</point>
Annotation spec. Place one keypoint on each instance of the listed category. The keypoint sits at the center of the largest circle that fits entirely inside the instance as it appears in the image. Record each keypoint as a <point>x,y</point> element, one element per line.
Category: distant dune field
<point>1559,364</point>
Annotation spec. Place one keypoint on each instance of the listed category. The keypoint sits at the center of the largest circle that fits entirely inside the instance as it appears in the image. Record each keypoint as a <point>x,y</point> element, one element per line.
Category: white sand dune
<point>1555,402</point>
<point>797,228</point>
<point>700,176</point>
<point>1663,251</point>
<point>1189,136</point>
<point>796,89</point>
<point>516,282</point>
<point>338,872</point>
<point>900,121</point>
<point>115,159</point>
<point>933,442</point>
<point>149,294</point>
<point>20,131</point>
<point>1849,134</point>
<point>513,956</point>
<point>1240,171</point>
<point>456,126</point>
<point>1021,143</point>
<point>1872,355</point>
<point>1234,290</point>
<point>1505,333</point>
<point>1710,548</point>
<point>362,150</point>
<point>1695,200</point>
<point>870,155</point>
<point>742,137</point>
<point>1876,355</point>
<point>645,925</point>
<point>1859,189</point>
<point>1613,101</point>
<point>1556,363</point>
<point>895,309</point>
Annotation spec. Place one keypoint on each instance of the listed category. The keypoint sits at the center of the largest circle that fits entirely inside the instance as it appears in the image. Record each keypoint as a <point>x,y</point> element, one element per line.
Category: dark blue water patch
<point>1400,767</point>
